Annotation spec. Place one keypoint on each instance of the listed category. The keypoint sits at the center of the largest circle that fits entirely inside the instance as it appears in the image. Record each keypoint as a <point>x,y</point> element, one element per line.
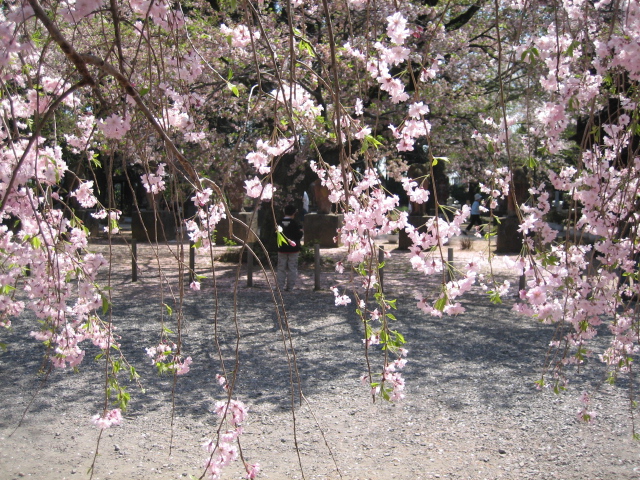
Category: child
<point>288,250</point>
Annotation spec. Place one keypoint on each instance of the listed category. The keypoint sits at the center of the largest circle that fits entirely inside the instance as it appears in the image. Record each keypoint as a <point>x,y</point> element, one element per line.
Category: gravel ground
<point>471,410</point>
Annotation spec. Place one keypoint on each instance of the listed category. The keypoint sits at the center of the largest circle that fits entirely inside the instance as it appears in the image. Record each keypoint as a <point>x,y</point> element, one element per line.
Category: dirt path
<point>471,411</point>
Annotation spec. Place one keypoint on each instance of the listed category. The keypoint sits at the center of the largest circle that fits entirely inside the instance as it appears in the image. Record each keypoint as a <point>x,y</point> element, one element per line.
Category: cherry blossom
<point>115,126</point>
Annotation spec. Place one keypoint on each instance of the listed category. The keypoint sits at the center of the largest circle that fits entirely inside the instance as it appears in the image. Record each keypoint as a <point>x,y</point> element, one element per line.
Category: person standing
<point>288,249</point>
<point>475,213</point>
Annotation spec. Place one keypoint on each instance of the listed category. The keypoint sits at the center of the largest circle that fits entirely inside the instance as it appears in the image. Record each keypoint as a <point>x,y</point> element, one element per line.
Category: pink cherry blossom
<point>109,419</point>
<point>84,194</point>
<point>115,126</point>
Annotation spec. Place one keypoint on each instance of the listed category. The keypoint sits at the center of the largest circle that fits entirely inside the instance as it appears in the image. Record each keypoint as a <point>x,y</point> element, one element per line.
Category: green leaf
<point>441,303</point>
<point>557,388</point>
<point>123,400</point>
<point>367,331</point>
<point>490,148</point>
<point>105,305</point>
<point>116,366</point>
<point>391,316</point>
<point>531,52</point>
<point>305,46</point>
<point>282,240</point>
<point>569,51</point>
<point>169,309</point>
<point>234,89</point>
<point>495,297</point>
<point>385,394</point>
<point>532,163</point>
<point>35,242</point>
<point>143,91</point>
<point>370,141</point>
<point>95,162</point>
<point>550,260</point>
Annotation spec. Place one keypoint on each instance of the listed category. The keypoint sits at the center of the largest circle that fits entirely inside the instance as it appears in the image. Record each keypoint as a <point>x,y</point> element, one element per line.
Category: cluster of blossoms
<point>239,36</point>
<point>109,419</point>
<point>299,101</point>
<point>340,300</point>
<point>112,216</point>
<point>60,289</point>
<point>332,178</point>
<point>379,68</point>
<point>154,182</point>
<point>165,358</point>
<point>222,451</point>
<point>415,126</point>
<point>115,126</point>
<point>368,216</point>
<point>79,141</point>
<point>392,377</point>
<point>262,158</point>
<point>370,213</point>
<point>557,290</point>
<point>256,189</point>
<point>200,229</point>
<point>160,12</point>
<point>585,414</point>
<point>498,186</point>
<point>176,116</point>
<point>391,384</point>
<point>84,195</point>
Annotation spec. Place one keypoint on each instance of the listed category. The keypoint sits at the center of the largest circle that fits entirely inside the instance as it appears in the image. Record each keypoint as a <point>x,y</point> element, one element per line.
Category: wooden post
<point>250,267</point>
<point>192,261</point>
<point>449,264</point>
<point>134,260</point>
<point>316,268</point>
<point>381,270</point>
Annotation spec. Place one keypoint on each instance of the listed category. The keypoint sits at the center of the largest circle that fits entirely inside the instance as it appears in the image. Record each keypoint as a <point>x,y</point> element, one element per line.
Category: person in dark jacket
<point>288,249</point>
